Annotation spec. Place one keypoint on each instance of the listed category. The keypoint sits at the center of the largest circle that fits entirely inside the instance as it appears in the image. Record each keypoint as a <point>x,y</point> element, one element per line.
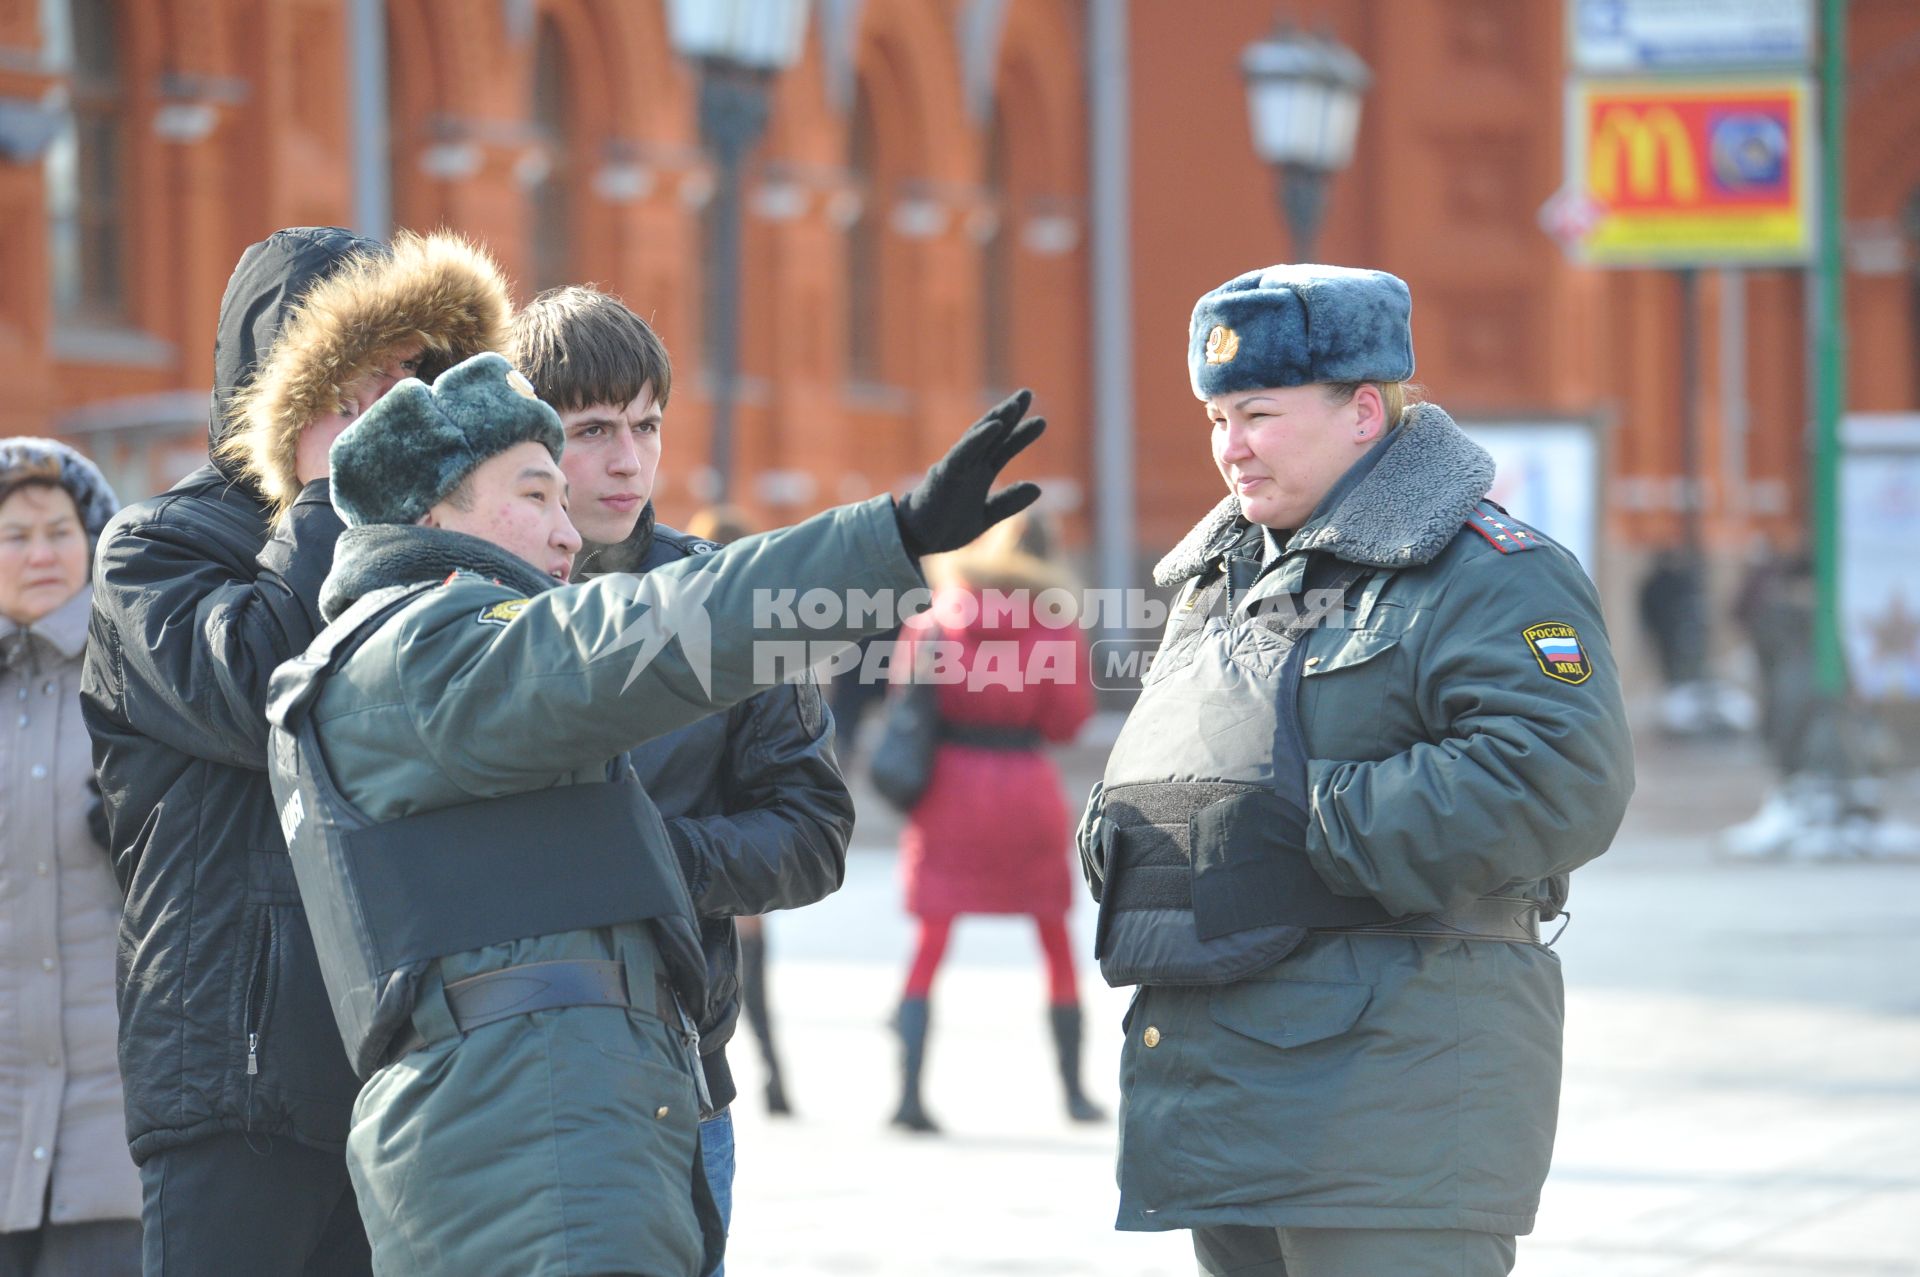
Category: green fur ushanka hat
<point>1300,325</point>
<point>419,442</point>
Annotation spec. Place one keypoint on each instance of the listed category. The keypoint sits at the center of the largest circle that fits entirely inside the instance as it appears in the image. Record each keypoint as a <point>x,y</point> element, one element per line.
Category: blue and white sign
<point>1635,37</point>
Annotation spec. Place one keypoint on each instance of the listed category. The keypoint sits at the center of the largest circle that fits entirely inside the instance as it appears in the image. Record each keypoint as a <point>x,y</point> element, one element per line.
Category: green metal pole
<point>1830,353</point>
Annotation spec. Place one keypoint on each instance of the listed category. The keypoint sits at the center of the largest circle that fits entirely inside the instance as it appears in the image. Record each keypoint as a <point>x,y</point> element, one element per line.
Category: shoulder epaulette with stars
<point>1502,531</point>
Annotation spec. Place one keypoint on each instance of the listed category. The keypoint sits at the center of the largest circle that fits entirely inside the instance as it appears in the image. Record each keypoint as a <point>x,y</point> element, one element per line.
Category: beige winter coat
<point>60,1109</point>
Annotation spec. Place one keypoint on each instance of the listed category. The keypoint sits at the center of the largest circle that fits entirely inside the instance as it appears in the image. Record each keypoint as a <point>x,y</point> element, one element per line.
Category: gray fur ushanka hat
<point>1296,325</point>
<point>419,442</point>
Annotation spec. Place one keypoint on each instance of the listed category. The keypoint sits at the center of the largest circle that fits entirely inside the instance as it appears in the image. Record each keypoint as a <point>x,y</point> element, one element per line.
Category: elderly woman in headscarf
<point>70,1198</point>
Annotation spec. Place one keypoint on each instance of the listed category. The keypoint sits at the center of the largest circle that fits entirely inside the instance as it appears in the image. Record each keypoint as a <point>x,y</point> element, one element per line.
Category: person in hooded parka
<point>237,1088</point>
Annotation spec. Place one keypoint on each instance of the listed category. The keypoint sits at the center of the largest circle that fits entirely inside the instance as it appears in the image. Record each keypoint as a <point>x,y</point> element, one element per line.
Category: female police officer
<point>1383,725</point>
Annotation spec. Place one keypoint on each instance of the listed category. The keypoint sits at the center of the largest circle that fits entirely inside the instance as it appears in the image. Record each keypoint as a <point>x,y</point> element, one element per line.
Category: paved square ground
<point>1742,1090</point>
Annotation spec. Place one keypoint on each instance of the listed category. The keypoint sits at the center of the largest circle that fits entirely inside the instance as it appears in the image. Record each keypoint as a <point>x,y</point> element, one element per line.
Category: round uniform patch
<point>1557,647</point>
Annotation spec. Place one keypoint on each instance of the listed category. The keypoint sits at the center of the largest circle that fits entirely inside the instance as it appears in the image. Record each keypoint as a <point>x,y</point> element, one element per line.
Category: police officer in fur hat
<point>509,946</point>
<point>1383,725</point>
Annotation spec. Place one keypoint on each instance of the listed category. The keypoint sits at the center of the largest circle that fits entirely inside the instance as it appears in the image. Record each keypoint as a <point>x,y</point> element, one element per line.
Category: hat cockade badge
<point>1222,344</point>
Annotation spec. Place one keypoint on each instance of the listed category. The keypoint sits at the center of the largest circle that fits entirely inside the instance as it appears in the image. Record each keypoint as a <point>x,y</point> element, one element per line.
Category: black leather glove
<point>951,506</point>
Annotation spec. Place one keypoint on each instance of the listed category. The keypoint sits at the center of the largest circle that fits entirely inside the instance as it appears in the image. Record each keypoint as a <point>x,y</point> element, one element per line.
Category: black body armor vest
<point>386,899</point>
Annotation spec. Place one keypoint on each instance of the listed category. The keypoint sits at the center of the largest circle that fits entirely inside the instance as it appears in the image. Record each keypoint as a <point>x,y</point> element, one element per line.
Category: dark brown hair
<point>34,474</point>
<point>580,346</point>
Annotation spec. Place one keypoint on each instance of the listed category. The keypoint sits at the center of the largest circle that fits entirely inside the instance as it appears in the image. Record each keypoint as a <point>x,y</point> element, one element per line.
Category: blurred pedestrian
<point>1673,613</point>
<point>754,803</point>
<point>1830,752</point>
<point>991,833</point>
<point>1384,724</point>
<point>70,1206</point>
<point>1674,616</point>
<point>238,1091</point>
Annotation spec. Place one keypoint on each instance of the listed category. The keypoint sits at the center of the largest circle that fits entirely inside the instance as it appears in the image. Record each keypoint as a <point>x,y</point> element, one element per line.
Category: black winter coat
<point>224,1024</point>
<point>754,802</point>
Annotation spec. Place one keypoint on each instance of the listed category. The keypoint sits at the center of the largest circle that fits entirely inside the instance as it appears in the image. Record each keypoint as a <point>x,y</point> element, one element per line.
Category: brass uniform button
<point>1312,661</point>
<point>660,1112</point>
<point>1151,1037</point>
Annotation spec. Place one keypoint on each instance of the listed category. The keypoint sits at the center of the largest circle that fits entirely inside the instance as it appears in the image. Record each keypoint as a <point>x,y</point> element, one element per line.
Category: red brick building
<point>921,227</point>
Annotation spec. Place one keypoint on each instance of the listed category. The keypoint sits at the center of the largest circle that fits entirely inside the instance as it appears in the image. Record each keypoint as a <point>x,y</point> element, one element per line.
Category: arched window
<point>84,168</point>
<point>996,262</point>
<point>865,245</point>
<point>550,188</point>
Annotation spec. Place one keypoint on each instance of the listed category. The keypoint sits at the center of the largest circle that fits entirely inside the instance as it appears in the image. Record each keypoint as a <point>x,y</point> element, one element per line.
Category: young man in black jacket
<point>754,801</point>
<point>237,1086</point>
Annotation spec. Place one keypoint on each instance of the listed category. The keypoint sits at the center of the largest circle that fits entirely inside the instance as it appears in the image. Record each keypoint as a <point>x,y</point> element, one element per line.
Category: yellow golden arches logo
<point>1222,344</point>
<point>1642,140</point>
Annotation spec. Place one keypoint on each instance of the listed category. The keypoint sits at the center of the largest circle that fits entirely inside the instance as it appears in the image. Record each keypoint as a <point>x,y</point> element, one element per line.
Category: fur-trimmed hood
<point>262,293</point>
<point>1402,513</point>
<point>439,290</point>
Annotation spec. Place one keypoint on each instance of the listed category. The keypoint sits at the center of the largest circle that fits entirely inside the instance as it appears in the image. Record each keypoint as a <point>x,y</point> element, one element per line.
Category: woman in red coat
<point>991,833</point>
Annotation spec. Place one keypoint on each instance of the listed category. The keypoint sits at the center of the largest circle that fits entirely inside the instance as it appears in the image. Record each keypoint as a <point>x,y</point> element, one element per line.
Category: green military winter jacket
<point>559,1142</point>
<point>1466,737</point>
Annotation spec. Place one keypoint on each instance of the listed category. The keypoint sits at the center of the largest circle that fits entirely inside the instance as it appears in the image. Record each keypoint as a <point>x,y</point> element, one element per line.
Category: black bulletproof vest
<point>1203,884</point>
<point>385,899</point>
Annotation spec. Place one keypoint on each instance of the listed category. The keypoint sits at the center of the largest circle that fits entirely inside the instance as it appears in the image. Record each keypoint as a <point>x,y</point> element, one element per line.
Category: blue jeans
<point>716,1156</point>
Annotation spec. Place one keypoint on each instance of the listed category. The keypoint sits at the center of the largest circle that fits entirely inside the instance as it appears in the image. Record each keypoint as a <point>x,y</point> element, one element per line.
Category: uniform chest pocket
<point>1289,1013</point>
<point>1350,650</point>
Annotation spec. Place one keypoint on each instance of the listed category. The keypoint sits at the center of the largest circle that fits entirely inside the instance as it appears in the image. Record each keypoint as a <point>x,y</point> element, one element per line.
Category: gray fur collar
<point>376,555</point>
<point>1403,513</point>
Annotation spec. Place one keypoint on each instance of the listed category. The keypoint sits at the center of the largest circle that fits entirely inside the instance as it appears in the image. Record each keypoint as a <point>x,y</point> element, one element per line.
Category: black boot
<point>753,994</point>
<point>911,1024</point>
<point>1066,1045</point>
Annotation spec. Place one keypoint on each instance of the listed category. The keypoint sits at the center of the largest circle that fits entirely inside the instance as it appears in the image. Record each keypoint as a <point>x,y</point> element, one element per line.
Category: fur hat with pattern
<point>419,443</point>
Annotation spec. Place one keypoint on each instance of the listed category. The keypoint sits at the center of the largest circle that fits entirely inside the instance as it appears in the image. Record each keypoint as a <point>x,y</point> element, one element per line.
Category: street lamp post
<point>739,46</point>
<point>1303,94</point>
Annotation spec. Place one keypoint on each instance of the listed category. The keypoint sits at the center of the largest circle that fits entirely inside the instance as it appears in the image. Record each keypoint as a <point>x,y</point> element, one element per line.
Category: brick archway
<point>912,52</point>
<point>1034,270</point>
<point>1038,40</point>
<point>416,94</point>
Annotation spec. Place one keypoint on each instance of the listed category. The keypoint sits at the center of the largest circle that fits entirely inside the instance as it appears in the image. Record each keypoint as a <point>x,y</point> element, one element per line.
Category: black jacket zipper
<point>260,989</point>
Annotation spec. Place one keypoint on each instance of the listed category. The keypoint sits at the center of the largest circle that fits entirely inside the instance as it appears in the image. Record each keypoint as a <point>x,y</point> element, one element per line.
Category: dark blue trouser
<point>716,1156</point>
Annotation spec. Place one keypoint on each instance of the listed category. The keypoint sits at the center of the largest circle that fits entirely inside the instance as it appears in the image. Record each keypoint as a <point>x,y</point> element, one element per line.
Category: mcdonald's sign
<point>1693,173</point>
